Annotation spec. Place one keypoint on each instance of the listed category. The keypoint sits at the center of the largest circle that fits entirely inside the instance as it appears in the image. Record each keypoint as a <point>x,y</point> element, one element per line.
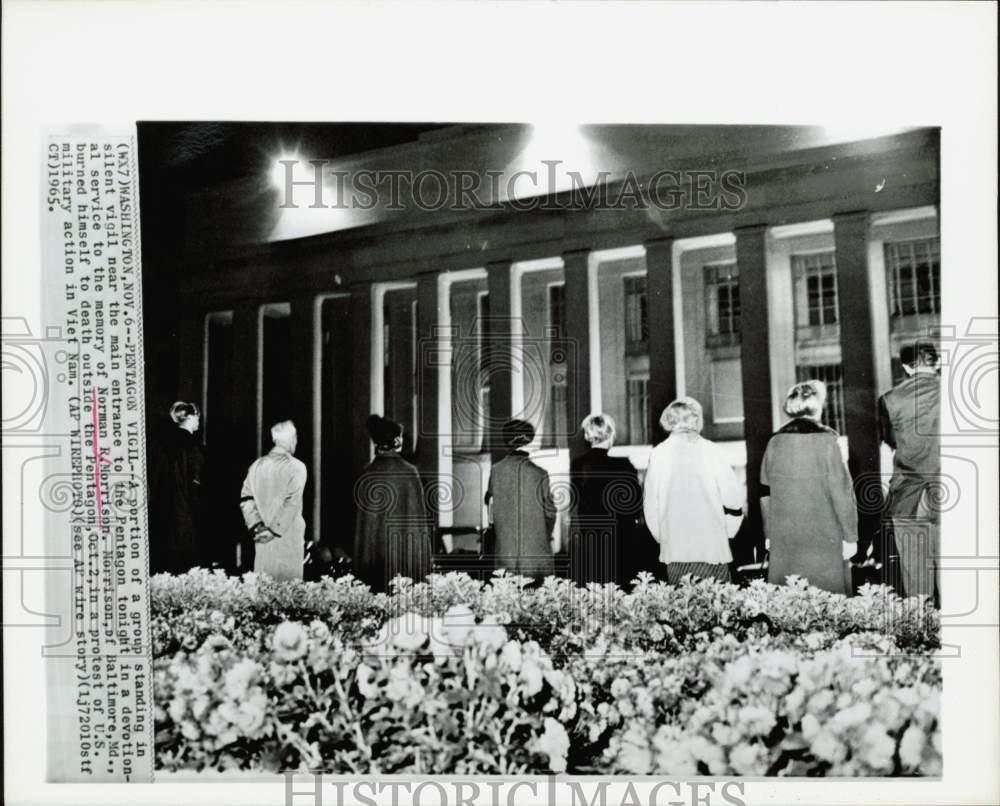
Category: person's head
<point>684,415</point>
<point>185,415</point>
<point>599,430</point>
<point>919,355</point>
<point>284,436</point>
<point>806,399</point>
<point>386,434</point>
<point>517,434</point>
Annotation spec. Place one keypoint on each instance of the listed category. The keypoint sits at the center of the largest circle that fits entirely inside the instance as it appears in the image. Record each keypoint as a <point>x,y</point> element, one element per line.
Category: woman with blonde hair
<point>807,497</point>
<point>693,500</point>
<point>605,539</point>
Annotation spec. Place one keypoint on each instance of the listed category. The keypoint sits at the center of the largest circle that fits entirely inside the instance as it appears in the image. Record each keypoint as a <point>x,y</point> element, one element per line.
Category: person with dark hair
<point>392,534</point>
<point>910,424</point>
<point>522,511</point>
<point>177,502</point>
<point>606,541</point>
<point>271,502</point>
<point>807,497</point>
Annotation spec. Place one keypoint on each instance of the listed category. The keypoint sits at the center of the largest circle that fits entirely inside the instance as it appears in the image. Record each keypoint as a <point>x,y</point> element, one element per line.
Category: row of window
<point>913,275</point>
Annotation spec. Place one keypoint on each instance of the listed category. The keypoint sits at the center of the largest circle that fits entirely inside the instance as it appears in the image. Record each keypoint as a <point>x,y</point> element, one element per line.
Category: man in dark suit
<point>909,421</point>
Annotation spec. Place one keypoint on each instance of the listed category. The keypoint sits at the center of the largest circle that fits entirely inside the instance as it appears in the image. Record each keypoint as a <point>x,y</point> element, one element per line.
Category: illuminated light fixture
<point>554,150</point>
<point>280,167</point>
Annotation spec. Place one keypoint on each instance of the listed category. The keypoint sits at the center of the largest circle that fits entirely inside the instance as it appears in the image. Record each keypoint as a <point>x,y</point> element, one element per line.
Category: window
<point>636,314</point>
<point>637,402</point>
<point>559,437</point>
<point>818,273</point>
<point>722,291</point>
<point>832,376</point>
<point>914,271</point>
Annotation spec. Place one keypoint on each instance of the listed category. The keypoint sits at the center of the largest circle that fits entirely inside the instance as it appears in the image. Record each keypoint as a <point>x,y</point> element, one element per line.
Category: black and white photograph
<point>457,404</point>
<point>534,449</point>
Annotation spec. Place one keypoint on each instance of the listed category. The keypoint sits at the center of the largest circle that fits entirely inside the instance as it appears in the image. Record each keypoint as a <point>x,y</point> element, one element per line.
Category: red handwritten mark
<point>98,458</point>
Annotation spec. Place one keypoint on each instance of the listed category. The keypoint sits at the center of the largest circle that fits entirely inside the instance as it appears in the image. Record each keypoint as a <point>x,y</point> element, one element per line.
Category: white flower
<point>850,717</point>
<point>724,734</point>
<point>366,681</point>
<point>318,630</point>
<point>458,622</point>
<point>634,755</point>
<point>177,709</point>
<point>879,748</point>
<point>489,634</point>
<point>510,656</point>
<point>554,743</point>
<point>189,730</point>
<point>409,631</point>
<point>756,720</point>
<point>745,759</point>
<point>810,726</point>
<point>911,747</point>
<point>820,702</point>
<point>238,678</point>
<point>531,677</point>
<point>290,641</point>
<point>620,687</point>
<point>828,747</point>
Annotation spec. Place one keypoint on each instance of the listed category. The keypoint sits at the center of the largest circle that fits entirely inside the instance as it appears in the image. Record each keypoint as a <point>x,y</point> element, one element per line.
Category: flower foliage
<point>454,675</point>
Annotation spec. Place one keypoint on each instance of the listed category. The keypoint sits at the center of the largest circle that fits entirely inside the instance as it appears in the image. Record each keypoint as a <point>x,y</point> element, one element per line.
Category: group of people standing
<point>679,521</point>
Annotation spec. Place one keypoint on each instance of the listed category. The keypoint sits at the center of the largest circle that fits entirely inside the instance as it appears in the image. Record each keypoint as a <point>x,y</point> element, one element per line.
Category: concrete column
<point>497,351</point>
<point>429,355</point>
<point>662,345</point>
<point>758,423</point>
<point>361,374</point>
<point>576,339</point>
<point>304,357</point>
<point>246,374</point>
<point>860,372</point>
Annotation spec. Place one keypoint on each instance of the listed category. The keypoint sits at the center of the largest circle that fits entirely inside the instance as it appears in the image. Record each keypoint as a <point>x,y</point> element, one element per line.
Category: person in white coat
<point>271,502</point>
<point>692,500</point>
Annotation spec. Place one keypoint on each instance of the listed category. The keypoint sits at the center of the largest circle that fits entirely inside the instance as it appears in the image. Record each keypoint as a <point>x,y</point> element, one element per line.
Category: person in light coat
<point>271,502</point>
<point>692,499</point>
<point>807,501</point>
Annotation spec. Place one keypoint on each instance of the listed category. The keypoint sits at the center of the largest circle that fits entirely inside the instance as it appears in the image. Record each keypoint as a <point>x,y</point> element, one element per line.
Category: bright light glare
<point>552,141</point>
<point>278,169</point>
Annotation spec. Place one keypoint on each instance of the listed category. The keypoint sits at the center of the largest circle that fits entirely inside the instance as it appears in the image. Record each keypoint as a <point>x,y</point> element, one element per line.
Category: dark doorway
<point>336,474</point>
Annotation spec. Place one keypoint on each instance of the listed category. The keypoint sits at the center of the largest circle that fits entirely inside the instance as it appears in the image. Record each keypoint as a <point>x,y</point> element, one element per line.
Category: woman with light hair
<point>807,498</point>
<point>693,501</point>
<point>605,540</point>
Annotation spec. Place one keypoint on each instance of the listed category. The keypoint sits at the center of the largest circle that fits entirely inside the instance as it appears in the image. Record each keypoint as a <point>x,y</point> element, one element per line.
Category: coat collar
<point>805,425</point>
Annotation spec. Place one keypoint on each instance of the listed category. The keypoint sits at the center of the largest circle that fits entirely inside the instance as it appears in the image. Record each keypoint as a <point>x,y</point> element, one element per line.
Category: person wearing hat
<point>521,507</point>
<point>392,535</point>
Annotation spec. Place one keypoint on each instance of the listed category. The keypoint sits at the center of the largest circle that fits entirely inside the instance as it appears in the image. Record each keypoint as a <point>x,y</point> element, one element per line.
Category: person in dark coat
<point>605,542</point>
<point>392,534</point>
<point>808,504</point>
<point>522,511</point>
<point>176,503</point>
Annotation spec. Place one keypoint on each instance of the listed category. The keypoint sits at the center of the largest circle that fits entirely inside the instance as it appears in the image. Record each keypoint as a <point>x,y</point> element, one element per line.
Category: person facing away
<point>691,497</point>
<point>604,541</point>
<point>178,494</point>
<point>392,533</point>
<point>909,423</point>
<point>271,502</point>
<point>522,511</point>
<point>807,497</point>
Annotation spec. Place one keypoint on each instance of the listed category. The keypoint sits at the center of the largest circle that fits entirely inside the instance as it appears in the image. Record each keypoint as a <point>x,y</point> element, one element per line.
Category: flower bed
<point>453,675</point>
